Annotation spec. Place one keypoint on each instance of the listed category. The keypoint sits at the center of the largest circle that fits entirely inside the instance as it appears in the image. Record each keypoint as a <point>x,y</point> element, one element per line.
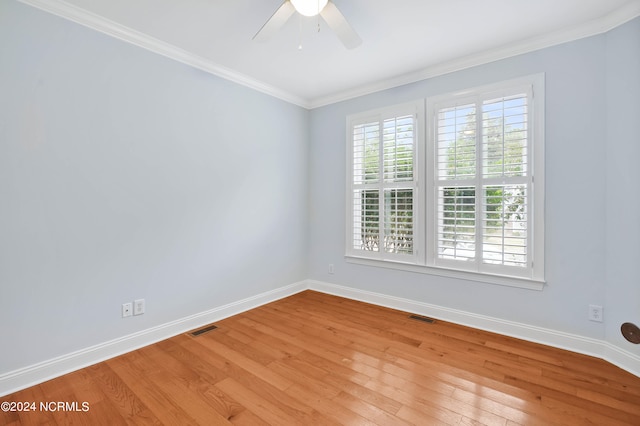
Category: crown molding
<point>81,16</point>
<point>99,23</point>
<point>601,25</point>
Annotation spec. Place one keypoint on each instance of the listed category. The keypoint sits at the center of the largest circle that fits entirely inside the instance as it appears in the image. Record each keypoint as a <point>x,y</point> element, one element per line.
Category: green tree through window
<point>497,220</point>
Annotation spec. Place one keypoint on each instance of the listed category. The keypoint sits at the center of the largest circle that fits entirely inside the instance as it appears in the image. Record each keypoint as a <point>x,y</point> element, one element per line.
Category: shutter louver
<point>504,239</point>
<point>457,223</point>
<point>504,137</point>
<point>366,171</point>
<point>398,221</point>
<point>482,182</point>
<point>456,159</point>
<point>456,150</point>
<point>383,185</point>
<point>504,158</point>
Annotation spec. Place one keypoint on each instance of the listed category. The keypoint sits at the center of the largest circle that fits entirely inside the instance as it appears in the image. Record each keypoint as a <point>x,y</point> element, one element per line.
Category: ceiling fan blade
<point>277,20</point>
<point>336,21</point>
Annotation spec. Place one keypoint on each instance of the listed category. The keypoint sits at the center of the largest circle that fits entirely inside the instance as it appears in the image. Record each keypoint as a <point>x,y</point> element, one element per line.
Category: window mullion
<point>381,183</point>
<point>479,183</point>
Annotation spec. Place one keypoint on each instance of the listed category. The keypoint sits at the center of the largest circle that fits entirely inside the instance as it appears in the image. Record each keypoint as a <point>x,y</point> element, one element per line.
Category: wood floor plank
<point>244,362</point>
<point>186,381</point>
<point>121,396</point>
<point>134,370</point>
<point>580,414</point>
<point>334,413</point>
<point>580,409</point>
<point>419,413</point>
<point>267,391</point>
<point>367,410</point>
<point>34,394</point>
<point>318,359</point>
<point>270,413</point>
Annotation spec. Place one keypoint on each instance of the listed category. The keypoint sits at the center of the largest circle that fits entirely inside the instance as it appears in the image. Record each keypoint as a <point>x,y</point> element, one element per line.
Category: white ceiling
<point>403,40</point>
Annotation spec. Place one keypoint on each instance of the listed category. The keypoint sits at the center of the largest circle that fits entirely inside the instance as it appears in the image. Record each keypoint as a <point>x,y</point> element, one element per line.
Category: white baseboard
<point>558,339</point>
<point>623,359</point>
<point>38,373</point>
<point>46,370</point>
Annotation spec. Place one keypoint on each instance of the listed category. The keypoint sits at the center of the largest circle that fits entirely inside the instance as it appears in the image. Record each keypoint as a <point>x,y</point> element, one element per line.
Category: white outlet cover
<point>138,307</point>
<point>127,310</point>
<point>595,313</point>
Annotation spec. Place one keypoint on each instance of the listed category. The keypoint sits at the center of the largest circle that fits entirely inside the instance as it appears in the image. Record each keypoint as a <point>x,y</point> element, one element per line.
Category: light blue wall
<point>124,174</point>
<point>623,182</point>
<point>127,175</point>
<point>578,160</point>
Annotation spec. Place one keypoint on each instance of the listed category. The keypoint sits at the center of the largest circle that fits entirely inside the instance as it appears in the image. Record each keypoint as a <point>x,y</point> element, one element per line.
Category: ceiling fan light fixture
<point>325,8</point>
<point>309,7</point>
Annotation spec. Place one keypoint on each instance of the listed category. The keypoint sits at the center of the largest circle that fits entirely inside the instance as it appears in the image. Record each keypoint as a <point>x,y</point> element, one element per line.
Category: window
<point>382,193</point>
<point>465,197</point>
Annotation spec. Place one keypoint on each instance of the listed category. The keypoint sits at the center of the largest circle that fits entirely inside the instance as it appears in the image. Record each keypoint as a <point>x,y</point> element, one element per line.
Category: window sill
<point>509,281</point>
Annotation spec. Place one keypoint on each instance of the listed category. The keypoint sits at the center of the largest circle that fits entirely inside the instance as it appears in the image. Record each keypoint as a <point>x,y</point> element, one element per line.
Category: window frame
<point>379,115</point>
<point>534,86</point>
<point>423,259</point>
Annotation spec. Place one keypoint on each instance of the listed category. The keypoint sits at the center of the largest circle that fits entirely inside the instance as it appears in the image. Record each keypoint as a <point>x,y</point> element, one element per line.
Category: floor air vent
<point>203,330</point>
<point>423,319</point>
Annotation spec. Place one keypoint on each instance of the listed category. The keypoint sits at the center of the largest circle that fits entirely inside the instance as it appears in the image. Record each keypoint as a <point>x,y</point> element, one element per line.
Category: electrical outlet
<point>138,307</point>
<point>127,310</point>
<point>331,268</point>
<point>595,313</point>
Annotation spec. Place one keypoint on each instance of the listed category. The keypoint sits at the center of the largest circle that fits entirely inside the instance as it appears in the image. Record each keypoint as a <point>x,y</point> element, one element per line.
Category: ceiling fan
<point>325,8</point>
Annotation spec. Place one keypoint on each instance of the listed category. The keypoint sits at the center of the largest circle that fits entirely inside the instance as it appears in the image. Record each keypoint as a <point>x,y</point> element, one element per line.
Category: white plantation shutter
<point>461,197</point>
<point>483,183</point>
<point>383,184</point>
<point>456,222</point>
<point>506,180</point>
<point>366,173</point>
<point>456,160</point>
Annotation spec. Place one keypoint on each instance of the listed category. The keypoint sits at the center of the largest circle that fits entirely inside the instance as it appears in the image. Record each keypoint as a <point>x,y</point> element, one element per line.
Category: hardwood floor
<point>316,359</point>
